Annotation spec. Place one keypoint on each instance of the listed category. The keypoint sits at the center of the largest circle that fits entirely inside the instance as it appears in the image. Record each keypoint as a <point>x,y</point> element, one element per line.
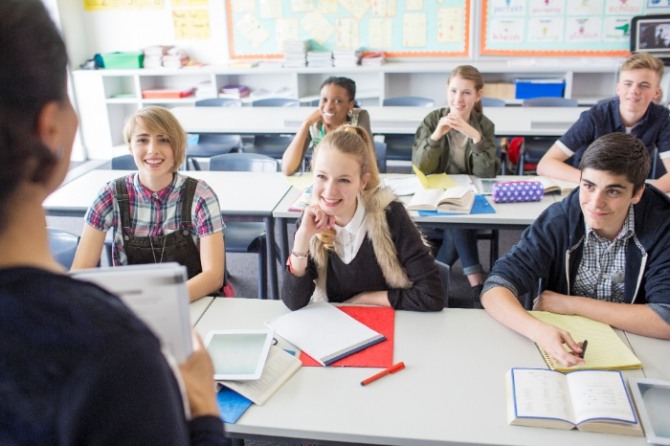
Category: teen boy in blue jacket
<point>604,247</point>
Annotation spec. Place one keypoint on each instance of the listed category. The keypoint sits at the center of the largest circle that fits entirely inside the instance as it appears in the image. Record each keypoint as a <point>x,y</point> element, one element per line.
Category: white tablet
<point>652,398</point>
<point>239,354</point>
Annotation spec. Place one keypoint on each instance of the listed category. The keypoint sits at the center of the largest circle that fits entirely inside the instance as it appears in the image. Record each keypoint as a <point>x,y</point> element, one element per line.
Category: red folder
<point>380,319</point>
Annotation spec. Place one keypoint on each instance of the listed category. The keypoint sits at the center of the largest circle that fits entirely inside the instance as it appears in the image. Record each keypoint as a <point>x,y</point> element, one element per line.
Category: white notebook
<point>157,294</point>
<point>324,332</point>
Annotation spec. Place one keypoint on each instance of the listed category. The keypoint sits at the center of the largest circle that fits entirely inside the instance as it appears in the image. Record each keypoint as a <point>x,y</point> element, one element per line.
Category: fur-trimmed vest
<point>375,202</point>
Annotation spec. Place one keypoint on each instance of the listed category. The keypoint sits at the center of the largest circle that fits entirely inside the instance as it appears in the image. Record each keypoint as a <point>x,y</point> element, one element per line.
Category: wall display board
<point>400,28</point>
<point>561,27</point>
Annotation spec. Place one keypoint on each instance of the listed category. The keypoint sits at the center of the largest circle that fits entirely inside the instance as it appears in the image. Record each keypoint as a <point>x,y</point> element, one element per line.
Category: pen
<point>584,344</point>
<point>393,369</point>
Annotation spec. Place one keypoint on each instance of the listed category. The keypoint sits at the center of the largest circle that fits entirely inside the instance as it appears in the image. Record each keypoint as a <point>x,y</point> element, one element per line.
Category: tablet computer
<point>652,398</point>
<point>239,354</point>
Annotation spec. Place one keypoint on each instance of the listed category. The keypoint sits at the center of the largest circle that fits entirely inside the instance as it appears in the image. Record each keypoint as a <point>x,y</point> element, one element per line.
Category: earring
<point>350,113</point>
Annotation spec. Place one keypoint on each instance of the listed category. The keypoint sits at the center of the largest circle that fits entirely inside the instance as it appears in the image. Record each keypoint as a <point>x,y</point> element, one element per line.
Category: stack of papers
<point>319,59</point>
<point>372,59</point>
<point>346,58</point>
<point>294,53</point>
<point>235,91</point>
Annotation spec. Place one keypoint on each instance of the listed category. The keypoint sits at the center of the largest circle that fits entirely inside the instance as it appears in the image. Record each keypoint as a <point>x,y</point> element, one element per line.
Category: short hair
<point>159,120</point>
<point>620,154</point>
<point>355,141</point>
<point>343,82</point>
<point>32,75</point>
<point>642,61</point>
<point>470,73</point>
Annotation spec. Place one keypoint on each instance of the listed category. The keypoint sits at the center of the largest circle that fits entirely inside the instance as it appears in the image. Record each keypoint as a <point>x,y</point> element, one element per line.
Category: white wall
<point>91,32</point>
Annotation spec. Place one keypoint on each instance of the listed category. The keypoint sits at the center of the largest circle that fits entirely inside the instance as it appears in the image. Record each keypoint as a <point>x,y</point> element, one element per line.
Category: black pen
<point>584,344</point>
<point>539,287</point>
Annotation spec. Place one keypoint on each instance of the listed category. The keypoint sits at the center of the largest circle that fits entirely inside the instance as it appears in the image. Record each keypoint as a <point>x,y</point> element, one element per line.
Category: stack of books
<point>295,52</point>
<point>176,58</point>
<point>234,91</point>
<point>346,58</point>
<point>319,59</point>
<point>377,58</point>
<point>153,55</point>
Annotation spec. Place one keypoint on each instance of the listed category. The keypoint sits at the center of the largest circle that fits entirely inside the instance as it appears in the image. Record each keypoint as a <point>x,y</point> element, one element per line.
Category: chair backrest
<point>276,102</point>
<point>444,270</point>
<point>123,162</point>
<point>244,162</point>
<point>218,102</point>
<point>492,102</point>
<point>550,102</point>
<point>409,101</point>
<point>63,245</point>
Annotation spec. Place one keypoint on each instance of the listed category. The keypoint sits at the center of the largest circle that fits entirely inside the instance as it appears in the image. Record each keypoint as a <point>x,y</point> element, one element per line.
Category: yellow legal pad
<point>606,350</point>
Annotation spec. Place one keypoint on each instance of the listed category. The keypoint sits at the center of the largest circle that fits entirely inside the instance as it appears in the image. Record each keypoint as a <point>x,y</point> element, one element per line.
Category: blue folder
<point>480,206</point>
<point>231,404</point>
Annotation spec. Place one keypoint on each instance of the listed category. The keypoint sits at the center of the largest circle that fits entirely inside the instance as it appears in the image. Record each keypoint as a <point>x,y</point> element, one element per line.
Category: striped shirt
<point>601,271</point>
<point>154,213</point>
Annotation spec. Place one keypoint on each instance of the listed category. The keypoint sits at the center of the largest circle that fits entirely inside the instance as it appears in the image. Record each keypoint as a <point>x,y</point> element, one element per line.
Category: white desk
<point>654,354</point>
<point>507,215</point>
<point>239,193</point>
<point>509,121</point>
<point>198,308</point>
<point>451,392</point>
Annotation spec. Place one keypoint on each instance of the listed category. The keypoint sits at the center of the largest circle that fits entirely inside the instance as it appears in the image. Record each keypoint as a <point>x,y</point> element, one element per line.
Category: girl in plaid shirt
<point>156,214</point>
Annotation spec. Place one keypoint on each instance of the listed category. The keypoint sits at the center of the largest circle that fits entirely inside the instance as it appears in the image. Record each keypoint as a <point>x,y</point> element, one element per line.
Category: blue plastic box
<point>536,88</point>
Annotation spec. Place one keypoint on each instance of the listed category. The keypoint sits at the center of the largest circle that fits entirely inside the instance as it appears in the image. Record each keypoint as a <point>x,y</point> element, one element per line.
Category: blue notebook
<point>480,206</point>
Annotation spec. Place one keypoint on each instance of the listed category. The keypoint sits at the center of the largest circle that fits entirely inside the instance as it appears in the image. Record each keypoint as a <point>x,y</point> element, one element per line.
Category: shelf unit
<point>106,97</point>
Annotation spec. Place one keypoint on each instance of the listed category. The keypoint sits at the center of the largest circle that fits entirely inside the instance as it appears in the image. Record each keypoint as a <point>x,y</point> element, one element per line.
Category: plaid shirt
<point>601,271</point>
<point>154,213</point>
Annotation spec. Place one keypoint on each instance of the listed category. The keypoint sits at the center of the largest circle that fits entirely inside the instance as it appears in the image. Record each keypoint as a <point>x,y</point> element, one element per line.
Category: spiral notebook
<point>606,350</point>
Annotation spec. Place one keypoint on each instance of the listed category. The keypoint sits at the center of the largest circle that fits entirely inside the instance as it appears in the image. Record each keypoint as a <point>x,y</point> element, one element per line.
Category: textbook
<point>589,400</point>
<point>324,332</point>
<point>457,199</point>
<point>279,367</point>
<point>606,350</point>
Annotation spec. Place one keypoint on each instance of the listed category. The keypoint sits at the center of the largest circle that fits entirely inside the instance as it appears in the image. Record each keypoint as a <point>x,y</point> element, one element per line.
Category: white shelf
<point>103,113</point>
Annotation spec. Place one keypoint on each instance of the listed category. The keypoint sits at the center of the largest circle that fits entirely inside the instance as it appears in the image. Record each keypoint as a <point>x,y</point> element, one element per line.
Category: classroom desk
<point>653,353</point>
<point>451,392</point>
<point>240,194</point>
<point>509,121</point>
<point>198,308</point>
<point>507,215</point>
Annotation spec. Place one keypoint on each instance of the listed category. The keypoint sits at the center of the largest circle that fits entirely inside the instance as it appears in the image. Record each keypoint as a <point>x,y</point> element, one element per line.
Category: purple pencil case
<point>517,191</point>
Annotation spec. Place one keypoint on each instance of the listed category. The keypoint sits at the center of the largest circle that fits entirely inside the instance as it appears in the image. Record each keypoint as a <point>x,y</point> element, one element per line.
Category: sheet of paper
<point>434,181</point>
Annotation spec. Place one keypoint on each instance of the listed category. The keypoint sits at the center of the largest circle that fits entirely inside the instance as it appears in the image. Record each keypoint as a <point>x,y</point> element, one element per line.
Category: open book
<point>606,350</point>
<point>457,199</point>
<point>590,400</point>
<point>279,367</point>
<point>324,332</point>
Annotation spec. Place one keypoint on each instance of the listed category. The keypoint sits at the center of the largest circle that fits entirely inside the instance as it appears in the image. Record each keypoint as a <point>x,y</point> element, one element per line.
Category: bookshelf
<point>106,97</point>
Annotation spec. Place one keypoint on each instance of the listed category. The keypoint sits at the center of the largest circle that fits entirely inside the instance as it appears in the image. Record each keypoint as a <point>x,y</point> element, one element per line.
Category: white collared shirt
<point>349,238</point>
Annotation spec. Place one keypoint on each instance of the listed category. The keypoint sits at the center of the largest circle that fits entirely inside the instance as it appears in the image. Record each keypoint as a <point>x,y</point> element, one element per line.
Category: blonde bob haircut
<point>355,141</point>
<point>161,121</point>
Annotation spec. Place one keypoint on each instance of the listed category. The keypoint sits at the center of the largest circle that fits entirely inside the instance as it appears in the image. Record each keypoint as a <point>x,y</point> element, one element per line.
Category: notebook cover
<point>480,206</point>
<point>380,319</point>
<point>231,404</point>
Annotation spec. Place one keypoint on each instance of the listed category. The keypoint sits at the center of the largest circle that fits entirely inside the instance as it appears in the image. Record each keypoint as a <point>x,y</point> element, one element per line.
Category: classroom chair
<point>533,148</point>
<point>246,236</point>
<point>272,145</point>
<point>444,271</point>
<point>492,102</point>
<point>211,144</point>
<point>63,246</point>
<point>399,147</point>
<point>124,162</point>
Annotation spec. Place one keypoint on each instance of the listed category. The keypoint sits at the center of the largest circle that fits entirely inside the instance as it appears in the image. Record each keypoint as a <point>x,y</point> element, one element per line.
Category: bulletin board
<point>400,28</point>
<point>561,27</point>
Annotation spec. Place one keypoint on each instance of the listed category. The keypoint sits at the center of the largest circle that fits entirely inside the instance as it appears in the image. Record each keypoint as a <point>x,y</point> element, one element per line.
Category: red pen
<point>394,368</point>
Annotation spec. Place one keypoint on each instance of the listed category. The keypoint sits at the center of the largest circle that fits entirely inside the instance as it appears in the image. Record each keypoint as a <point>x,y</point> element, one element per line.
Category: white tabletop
<point>239,193</point>
<point>509,121</point>
<point>198,308</point>
<point>451,392</point>
<point>506,214</point>
<point>654,354</point>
